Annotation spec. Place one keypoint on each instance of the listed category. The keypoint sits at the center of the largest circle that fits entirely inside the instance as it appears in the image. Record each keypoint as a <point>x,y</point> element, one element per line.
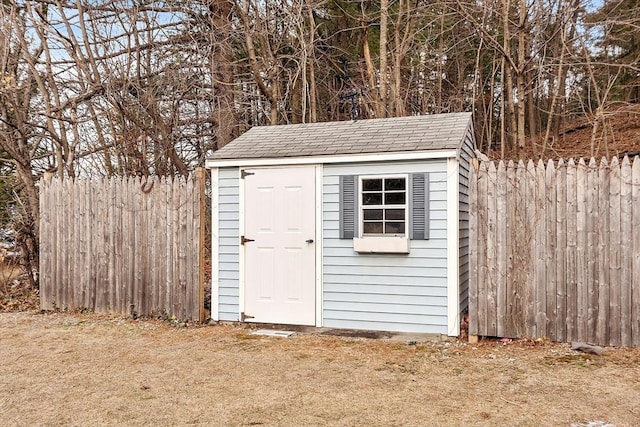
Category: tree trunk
<point>552,121</point>
<point>562,83</point>
<point>269,92</point>
<point>222,71</point>
<point>398,102</point>
<point>531,116</point>
<point>511,124</point>
<point>384,28</point>
<point>521,70</point>
<point>371,73</point>
<point>313,92</point>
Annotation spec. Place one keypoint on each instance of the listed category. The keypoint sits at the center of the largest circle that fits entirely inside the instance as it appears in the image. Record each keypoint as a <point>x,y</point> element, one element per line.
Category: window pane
<point>394,198</point>
<point>372,198</point>
<point>372,228</point>
<point>372,184</point>
<point>394,228</point>
<point>394,184</point>
<point>394,214</point>
<point>370,214</point>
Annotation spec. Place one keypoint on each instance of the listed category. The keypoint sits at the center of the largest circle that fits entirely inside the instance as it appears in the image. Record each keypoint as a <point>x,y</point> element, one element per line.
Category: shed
<point>356,224</point>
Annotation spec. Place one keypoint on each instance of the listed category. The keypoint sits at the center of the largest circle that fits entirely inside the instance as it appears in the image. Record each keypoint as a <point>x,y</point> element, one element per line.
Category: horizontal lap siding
<point>386,292</point>
<point>466,153</point>
<point>228,241</point>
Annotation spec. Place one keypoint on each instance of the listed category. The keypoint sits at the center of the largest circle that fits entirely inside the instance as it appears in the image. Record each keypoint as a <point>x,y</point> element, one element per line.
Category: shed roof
<point>399,134</point>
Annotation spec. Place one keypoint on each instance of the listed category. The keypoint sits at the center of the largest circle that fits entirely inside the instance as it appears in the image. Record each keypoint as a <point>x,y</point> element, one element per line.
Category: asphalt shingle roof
<point>414,133</point>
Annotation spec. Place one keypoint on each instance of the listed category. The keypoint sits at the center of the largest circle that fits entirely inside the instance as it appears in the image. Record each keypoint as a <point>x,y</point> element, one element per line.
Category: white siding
<point>466,153</point>
<point>381,291</point>
<point>229,239</point>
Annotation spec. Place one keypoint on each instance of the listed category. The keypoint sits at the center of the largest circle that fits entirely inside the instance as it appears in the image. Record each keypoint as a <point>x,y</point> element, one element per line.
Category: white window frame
<point>361,207</point>
<point>382,243</point>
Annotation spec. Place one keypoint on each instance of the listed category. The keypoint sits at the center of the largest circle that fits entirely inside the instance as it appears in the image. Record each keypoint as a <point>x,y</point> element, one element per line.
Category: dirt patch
<point>72,369</point>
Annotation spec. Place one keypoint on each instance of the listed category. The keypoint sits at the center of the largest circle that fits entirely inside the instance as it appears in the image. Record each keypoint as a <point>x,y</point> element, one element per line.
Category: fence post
<point>200,181</point>
<point>473,250</point>
<point>635,268</point>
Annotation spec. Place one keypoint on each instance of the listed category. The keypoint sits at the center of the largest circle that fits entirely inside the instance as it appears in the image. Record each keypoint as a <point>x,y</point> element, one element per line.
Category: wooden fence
<point>555,251</point>
<point>125,245</point>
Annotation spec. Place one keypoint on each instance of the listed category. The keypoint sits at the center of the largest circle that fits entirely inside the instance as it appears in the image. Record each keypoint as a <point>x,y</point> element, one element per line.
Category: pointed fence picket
<point>133,246</point>
<point>556,250</point>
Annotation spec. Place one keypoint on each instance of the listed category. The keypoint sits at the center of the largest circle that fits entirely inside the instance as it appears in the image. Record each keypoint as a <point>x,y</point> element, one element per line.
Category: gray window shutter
<point>419,206</point>
<point>348,206</point>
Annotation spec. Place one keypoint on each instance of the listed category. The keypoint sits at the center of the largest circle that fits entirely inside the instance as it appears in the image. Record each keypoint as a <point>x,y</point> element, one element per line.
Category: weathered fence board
<point>131,246</point>
<point>556,251</point>
<point>626,253</point>
<point>512,295</point>
<point>500,248</point>
<point>570,268</point>
<point>529,247</point>
<point>550,302</point>
<point>581,251</point>
<point>540,239</point>
<point>483,276</point>
<point>560,253</point>
<point>635,272</point>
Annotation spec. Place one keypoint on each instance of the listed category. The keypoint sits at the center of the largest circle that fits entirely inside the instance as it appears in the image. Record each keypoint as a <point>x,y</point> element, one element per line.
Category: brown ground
<point>15,292</point>
<point>618,134</point>
<point>72,369</point>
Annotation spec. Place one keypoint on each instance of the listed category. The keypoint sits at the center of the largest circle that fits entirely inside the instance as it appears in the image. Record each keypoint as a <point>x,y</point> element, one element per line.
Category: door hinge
<point>244,173</point>
<point>244,240</point>
<point>244,317</point>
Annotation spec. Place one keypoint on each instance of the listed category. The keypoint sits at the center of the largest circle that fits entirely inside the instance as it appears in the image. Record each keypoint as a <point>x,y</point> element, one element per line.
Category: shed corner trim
<point>453,280</point>
<point>215,274</point>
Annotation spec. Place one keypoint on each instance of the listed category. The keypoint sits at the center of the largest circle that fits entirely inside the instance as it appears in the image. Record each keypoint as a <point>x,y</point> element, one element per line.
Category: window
<point>383,205</point>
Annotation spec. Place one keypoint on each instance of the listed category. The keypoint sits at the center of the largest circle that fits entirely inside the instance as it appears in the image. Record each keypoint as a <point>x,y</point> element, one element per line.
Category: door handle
<point>244,240</point>
<point>310,241</point>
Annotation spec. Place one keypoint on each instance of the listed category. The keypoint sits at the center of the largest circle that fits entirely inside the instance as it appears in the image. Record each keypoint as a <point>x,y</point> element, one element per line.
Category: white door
<point>279,224</point>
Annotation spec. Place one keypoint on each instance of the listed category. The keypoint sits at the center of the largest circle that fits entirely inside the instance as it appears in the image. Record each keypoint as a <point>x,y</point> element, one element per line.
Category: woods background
<point>119,88</point>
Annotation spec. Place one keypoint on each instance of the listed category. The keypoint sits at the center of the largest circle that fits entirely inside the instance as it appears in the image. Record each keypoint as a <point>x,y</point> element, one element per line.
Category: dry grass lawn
<point>90,370</point>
